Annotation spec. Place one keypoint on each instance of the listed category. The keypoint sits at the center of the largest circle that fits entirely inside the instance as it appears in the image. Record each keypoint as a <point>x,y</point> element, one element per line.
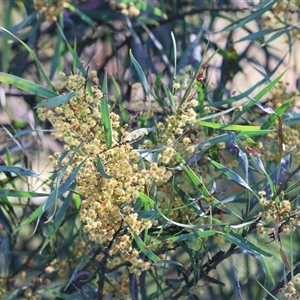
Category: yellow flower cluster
<point>127,9</point>
<point>289,290</point>
<point>282,213</point>
<point>283,11</point>
<point>50,8</point>
<point>107,203</point>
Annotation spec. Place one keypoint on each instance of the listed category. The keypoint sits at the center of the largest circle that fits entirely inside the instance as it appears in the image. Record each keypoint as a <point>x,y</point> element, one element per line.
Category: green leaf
<point>279,111</point>
<point>192,81</point>
<point>76,61</point>
<point>145,249</point>
<point>124,114</point>
<point>53,102</point>
<point>244,244</point>
<point>156,89</point>
<point>58,51</point>
<point>30,219</point>
<point>52,199</point>
<point>210,199</point>
<point>57,221</point>
<point>229,127</point>
<point>80,266</point>
<point>22,194</point>
<point>23,24</point>
<point>256,35</point>
<point>105,113</point>
<point>29,131</point>
<point>175,57</point>
<point>39,65</point>
<point>241,242</point>
<point>259,95</point>
<point>256,13</point>
<point>231,175</point>
<point>19,171</point>
<point>189,236</point>
<point>100,168</point>
<point>224,137</point>
<point>278,33</point>
<point>170,98</point>
<point>140,74</point>
<point>26,85</point>
<point>6,45</point>
<point>219,114</point>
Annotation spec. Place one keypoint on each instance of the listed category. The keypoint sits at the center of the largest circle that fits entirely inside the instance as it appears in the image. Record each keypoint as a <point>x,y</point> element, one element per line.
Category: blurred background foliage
<point>240,45</point>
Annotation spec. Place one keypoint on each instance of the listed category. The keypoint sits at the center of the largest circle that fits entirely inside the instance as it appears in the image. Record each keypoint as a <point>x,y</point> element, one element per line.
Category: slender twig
<point>103,265</point>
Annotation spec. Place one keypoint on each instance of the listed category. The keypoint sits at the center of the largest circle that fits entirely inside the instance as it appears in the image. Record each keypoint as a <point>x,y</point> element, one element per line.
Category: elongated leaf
<point>57,221</point>
<point>26,85</point>
<point>204,191</point>
<point>5,244</point>
<point>250,90</point>
<point>101,169</point>
<point>157,85</point>
<point>145,249</point>
<point>259,95</point>
<point>218,114</point>
<point>76,61</point>
<point>23,194</point>
<point>278,112</point>
<point>175,57</point>
<point>170,98</point>
<point>125,117</point>
<point>231,175</point>
<point>58,55</point>
<point>277,34</point>
<point>6,45</point>
<point>244,244</point>
<point>29,131</point>
<point>105,113</point>
<point>242,157</point>
<point>240,241</point>
<point>224,138</point>
<point>57,193</point>
<point>14,294</point>
<point>23,24</point>
<point>160,49</point>
<point>40,67</point>
<point>229,127</point>
<point>19,171</point>
<point>256,35</point>
<point>189,236</point>
<point>30,219</point>
<point>257,12</point>
<point>57,100</point>
<point>140,74</point>
<point>80,266</point>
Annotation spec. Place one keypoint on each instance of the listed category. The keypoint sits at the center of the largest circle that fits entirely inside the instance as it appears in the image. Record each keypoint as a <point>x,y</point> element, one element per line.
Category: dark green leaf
<point>26,85</point>
<point>140,73</point>
<point>53,102</point>
<point>105,113</point>
<point>101,169</point>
